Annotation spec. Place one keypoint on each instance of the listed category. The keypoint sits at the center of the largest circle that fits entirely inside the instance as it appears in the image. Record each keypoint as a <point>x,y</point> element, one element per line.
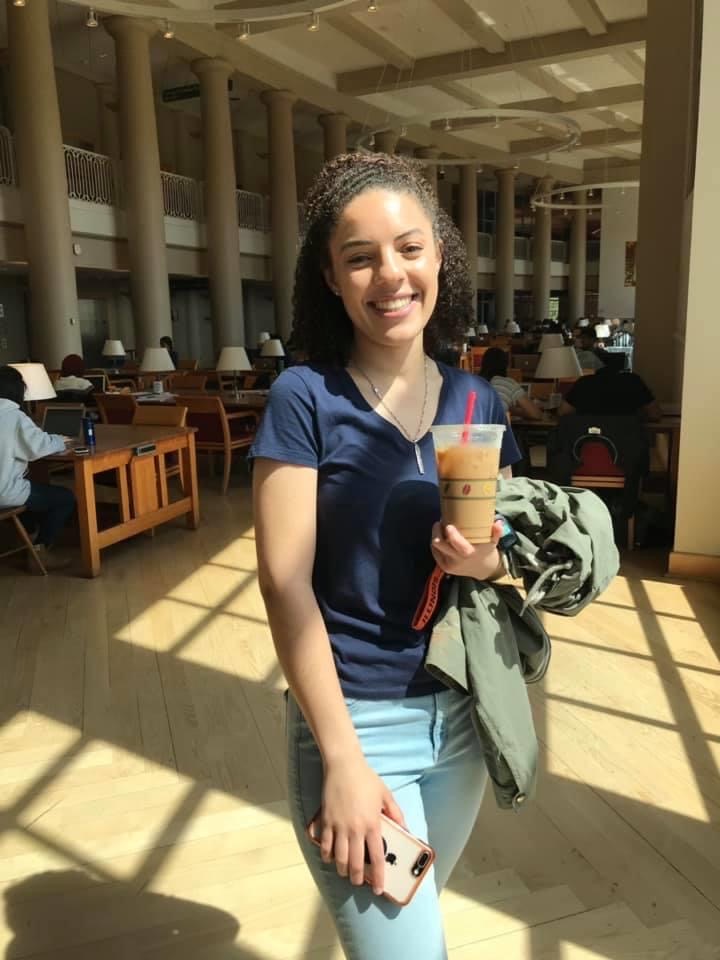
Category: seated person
<point>21,441</point>
<point>611,392</point>
<point>588,357</point>
<point>168,344</point>
<point>514,399</point>
<point>71,377</point>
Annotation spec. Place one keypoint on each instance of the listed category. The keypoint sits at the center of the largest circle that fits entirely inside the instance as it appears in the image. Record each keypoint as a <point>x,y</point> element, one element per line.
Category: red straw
<point>469,407</point>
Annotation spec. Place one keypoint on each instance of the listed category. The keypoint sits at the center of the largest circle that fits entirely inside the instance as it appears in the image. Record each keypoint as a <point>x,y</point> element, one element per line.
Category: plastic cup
<point>467,476</point>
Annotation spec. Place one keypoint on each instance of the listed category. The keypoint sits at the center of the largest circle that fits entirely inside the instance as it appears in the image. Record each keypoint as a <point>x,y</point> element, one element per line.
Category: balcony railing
<point>90,176</point>
<point>251,211</point>
<point>7,157</point>
<point>182,196</point>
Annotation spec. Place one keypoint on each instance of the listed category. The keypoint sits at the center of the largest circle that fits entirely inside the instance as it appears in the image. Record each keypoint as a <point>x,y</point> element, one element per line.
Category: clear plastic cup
<point>468,463</point>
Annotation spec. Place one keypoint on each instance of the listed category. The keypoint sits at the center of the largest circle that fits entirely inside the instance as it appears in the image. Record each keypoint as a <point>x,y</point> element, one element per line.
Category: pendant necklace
<point>413,440</point>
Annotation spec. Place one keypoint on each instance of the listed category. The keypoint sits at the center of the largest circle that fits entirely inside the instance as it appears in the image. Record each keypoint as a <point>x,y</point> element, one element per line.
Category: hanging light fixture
<point>18,3</point>
<point>448,125</point>
<point>314,24</point>
<point>372,7</point>
<point>168,32</point>
<point>244,32</point>
<point>91,20</point>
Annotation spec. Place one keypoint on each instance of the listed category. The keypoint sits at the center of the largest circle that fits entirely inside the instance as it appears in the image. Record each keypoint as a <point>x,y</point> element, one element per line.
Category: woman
<point>494,368</point>
<point>347,525</point>
<point>71,375</point>
<point>21,442</point>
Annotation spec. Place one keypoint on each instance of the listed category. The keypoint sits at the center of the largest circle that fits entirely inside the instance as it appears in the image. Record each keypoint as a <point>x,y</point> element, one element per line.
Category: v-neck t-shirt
<point>375,513</point>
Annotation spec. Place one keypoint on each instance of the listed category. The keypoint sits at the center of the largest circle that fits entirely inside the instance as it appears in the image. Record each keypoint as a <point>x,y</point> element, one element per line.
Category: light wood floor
<point>142,811</point>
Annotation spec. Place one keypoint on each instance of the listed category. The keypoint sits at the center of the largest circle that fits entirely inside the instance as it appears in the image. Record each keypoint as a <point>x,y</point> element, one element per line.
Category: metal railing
<point>251,211</point>
<point>182,196</point>
<point>90,176</point>
<point>7,157</point>
<point>559,251</point>
<point>522,248</point>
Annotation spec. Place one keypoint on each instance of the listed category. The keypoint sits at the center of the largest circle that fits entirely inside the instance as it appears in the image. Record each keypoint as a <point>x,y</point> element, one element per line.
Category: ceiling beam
<point>590,16</point>
<point>463,64</point>
<point>614,119</point>
<point>370,39</point>
<point>547,82</point>
<point>631,62</point>
<point>593,139</point>
<point>454,89</point>
<point>465,16</point>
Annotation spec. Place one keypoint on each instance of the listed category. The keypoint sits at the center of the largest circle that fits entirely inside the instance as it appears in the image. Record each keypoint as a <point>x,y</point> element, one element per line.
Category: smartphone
<point>407,859</point>
<point>81,451</point>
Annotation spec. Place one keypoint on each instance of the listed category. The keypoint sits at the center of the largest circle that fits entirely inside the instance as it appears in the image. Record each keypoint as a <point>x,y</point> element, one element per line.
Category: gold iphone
<point>407,859</point>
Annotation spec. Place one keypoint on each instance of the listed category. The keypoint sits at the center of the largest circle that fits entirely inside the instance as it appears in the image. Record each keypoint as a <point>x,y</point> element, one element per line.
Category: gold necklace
<point>404,431</point>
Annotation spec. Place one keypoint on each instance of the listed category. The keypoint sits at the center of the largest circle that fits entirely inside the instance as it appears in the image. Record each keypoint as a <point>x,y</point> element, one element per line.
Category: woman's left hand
<point>457,556</point>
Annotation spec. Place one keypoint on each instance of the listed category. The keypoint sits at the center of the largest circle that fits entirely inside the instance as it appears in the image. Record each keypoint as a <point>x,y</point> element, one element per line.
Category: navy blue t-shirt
<point>375,513</point>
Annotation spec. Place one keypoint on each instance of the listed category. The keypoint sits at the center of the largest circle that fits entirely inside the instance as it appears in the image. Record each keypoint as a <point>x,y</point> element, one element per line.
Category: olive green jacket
<point>489,642</point>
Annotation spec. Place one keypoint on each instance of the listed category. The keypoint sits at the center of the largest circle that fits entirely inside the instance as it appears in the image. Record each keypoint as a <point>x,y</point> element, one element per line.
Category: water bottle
<point>89,432</point>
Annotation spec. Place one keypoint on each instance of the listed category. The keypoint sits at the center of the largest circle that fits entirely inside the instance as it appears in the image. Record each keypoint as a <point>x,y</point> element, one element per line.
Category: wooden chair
<point>602,482</point>
<point>116,407</point>
<point>516,375</point>
<point>165,415</point>
<point>188,364</point>
<point>12,515</point>
<point>219,431</point>
<point>476,356</point>
<point>541,389</point>
<point>189,382</point>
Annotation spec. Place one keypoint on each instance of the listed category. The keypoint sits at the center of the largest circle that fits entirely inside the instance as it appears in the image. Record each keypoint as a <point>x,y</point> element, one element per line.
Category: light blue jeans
<point>427,752</point>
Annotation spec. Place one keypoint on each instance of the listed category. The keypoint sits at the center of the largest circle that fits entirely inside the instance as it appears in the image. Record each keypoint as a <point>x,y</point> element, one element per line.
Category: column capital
<point>506,173</point>
<point>386,141</point>
<point>272,98</point>
<point>120,26</point>
<point>330,119</point>
<point>208,65</point>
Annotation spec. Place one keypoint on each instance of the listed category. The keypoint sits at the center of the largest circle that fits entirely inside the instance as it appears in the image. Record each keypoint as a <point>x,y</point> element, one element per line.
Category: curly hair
<point>322,328</point>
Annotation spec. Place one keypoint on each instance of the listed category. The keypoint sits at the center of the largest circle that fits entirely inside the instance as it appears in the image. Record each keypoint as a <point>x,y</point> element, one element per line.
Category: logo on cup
<point>466,489</point>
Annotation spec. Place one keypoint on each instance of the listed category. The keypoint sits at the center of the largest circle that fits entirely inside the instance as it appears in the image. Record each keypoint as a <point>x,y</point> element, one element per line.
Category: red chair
<point>598,470</point>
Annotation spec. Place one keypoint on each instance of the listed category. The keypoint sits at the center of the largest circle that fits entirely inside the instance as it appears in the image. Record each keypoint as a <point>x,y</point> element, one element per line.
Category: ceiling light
<point>496,124</point>
<point>244,32</point>
<point>372,7</point>
<point>486,18</point>
<point>448,125</point>
<point>18,3</point>
<point>479,170</point>
<point>403,131</point>
<point>314,24</point>
<point>168,32</point>
<point>91,19</point>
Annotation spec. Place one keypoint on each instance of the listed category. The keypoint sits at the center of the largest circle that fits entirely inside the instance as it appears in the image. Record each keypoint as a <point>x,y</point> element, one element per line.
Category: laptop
<point>65,420</point>
<point>98,380</point>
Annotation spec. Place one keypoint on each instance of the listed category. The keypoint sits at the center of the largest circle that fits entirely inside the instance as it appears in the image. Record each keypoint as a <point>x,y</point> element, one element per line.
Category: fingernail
<point>377,891</point>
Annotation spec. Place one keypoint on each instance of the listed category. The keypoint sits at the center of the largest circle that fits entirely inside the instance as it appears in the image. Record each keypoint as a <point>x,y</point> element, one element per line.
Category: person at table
<point>72,379</point>
<point>168,344</point>
<point>514,399</point>
<point>588,357</point>
<point>48,507</point>
<point>611,392</point>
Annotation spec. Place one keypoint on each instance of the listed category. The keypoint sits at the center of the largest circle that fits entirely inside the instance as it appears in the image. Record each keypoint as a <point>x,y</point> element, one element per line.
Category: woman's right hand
<point>353,798</point>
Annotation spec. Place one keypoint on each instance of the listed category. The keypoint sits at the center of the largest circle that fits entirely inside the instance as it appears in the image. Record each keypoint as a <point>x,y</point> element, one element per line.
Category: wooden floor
<point>142,811</point>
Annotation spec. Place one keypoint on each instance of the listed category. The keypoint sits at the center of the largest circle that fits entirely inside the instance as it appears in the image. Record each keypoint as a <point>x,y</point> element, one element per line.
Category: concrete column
<point>141,181</point>
<point>283,203</point>
<point>669,114</point>
<point>386,141</point>
<point>334,133</point>
<point>542,251</point>
<point>430,171</point>
<point>181,145</point>
<point>468,224</point>
<point>505,248</point>
<point>107,121</point>
<point>223,238</point>
<point>578,262</point>
<point>54,316</point>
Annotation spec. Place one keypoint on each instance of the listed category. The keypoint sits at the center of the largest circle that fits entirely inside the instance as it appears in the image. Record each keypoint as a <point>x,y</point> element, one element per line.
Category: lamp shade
<point>557,362</point>
<point>263,336</point>
<point>272,348</point>
<point>583,322</point>
<point>232,359</point>
<point>551,340</point>
<point>156,360</point>
<point>37,381</point>
<point>470,332</point>
<point>512,327</point>
<point>602,330</point>
<point>482,328</point>
<point>113,348</point>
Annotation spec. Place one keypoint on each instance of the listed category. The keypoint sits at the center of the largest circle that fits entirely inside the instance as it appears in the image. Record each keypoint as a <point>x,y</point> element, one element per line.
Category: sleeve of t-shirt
<point>516,393</point>
<point>287,431</point>
<point>509,452</point>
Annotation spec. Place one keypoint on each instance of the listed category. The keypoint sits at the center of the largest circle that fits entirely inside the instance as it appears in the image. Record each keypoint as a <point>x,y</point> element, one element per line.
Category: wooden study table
<point>667,426</point>
<point>141,482</point>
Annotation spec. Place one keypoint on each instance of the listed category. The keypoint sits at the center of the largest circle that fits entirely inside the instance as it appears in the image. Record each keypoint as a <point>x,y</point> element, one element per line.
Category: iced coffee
<point>468,462</point>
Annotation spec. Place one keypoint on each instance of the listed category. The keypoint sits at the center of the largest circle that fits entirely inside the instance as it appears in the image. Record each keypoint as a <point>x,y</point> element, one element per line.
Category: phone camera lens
<point>420,864</point>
